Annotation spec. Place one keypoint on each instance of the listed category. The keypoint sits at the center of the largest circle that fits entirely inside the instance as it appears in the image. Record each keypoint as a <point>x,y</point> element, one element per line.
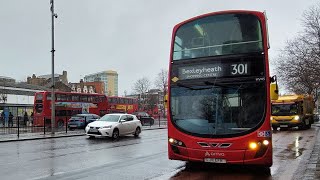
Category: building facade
<point>44,80</point>
<point>17,98</point>
<point>88,87</point>
<point>109,78</point>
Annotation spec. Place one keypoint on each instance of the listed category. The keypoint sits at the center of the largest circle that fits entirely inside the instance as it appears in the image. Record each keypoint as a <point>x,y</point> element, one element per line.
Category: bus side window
<point>75,98</point>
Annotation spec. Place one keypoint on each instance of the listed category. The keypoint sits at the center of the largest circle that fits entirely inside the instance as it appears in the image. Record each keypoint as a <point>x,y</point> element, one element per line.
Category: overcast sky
<point>131,37</point>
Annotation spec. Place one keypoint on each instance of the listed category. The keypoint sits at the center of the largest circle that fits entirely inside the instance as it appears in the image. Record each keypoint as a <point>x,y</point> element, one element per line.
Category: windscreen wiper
<point>191,88</point>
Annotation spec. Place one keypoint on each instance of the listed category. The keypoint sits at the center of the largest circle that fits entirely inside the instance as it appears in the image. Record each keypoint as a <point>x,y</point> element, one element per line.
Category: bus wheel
<point>60,123</point>
<point>265,171</point>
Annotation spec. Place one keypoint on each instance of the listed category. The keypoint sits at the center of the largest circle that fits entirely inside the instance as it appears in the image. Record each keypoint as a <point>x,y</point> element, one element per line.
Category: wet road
<point>139,158</point>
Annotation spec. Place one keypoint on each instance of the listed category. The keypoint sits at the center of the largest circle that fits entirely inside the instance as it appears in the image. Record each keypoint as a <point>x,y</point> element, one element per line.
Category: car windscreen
<point>110,118</point>
<point>209,111</point>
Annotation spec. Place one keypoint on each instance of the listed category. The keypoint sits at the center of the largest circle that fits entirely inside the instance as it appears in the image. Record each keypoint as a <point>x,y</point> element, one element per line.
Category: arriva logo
<point>213,154</point>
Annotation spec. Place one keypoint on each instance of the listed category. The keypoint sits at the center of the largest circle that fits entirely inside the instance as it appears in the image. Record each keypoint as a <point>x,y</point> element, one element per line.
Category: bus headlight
<point>296,118</point>
<point>265,142</point>
<point>176,142</point>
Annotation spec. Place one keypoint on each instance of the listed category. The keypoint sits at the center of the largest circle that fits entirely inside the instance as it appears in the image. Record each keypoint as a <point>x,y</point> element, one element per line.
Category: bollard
<point>159,120</point>
<point>66,125</point>
<point>44,125</point>
<point>18,126</point>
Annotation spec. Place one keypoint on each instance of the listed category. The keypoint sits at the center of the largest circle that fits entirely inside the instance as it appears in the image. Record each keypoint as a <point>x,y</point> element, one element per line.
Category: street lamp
<point>53,15</point>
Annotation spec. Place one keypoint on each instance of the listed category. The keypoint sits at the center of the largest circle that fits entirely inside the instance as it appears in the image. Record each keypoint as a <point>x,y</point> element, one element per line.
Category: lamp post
<point>53,110</point>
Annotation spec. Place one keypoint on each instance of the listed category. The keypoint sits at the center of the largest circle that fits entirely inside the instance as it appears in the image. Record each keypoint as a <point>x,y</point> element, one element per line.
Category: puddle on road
<point>293,150</point>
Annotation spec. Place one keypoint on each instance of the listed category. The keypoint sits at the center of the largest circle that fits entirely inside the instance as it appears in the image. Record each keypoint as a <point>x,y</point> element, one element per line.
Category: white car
<point>114,125</point>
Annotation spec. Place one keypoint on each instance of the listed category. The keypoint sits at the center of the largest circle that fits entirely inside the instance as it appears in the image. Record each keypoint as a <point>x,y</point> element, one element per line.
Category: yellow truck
<point>292,111</point>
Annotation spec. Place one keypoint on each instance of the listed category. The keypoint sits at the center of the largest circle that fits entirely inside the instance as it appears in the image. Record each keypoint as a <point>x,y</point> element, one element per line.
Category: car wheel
<point>137,132</point>
<point>115,134</point>
<point>71,129</point>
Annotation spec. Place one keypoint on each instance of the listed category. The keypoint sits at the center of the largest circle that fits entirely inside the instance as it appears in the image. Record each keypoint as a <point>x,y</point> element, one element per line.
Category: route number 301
<point>239,69</point>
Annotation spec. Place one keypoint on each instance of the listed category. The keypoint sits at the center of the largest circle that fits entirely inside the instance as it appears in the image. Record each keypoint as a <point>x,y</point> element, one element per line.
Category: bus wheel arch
<point>60,123</point>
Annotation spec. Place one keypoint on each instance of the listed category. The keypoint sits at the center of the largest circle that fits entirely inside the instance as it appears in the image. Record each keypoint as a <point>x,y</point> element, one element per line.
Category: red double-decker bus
<point>219,90</point>
<point>67,104</point>
<point>122,104</point>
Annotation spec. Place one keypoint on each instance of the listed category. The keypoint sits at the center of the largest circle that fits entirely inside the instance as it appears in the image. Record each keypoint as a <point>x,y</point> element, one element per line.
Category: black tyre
<point>71,129</point>
<point>91,137</point>
<point>305,125</point>
<point>115,134</point>
<point>137,132</point>
<point>60,123</point>
<point>275,128</point>
<point>265,171</point>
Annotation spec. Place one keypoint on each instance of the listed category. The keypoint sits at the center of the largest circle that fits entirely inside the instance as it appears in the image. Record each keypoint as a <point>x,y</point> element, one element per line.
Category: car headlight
<point>107,127</point>
<point>296,117</point>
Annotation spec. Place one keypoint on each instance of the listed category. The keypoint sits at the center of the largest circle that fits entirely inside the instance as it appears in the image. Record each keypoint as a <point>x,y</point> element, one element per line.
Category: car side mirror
<point>121,121</point>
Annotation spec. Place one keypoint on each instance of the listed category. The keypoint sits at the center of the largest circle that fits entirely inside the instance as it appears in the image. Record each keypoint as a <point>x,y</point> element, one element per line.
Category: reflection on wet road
<point>141,158</point>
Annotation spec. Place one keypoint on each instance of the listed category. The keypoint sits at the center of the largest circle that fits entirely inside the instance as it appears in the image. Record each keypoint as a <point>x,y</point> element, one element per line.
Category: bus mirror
<point>274,91</point>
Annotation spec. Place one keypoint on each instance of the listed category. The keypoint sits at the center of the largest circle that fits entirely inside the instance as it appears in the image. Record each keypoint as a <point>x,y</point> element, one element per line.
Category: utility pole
<point>53,110</point>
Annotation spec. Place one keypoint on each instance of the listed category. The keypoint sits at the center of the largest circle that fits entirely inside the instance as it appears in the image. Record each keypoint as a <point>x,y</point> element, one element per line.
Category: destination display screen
<point>214,70</point>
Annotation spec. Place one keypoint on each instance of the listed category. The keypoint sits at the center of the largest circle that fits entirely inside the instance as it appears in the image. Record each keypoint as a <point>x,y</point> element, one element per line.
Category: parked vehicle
<point>81,120</point>
<point>114,125</point>
<point>145,118</point>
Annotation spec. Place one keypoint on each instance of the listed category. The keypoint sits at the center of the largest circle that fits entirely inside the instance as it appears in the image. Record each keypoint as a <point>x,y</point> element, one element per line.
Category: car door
<point>123,126</point>
<point>131,124</point>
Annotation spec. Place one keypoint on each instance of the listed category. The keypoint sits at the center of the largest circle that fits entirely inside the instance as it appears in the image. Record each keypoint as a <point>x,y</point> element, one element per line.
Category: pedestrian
<point>10,123</point>
<point>2,118</point>
<point>25,119</point>
<point>31,119</point>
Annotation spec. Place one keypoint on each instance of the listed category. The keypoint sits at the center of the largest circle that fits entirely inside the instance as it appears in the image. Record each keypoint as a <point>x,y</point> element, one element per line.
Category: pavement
<point>41,135</point>
<point>312,170</point>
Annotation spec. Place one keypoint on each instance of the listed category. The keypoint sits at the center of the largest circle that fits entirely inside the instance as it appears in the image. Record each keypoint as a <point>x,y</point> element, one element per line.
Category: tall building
<point>109,78</point>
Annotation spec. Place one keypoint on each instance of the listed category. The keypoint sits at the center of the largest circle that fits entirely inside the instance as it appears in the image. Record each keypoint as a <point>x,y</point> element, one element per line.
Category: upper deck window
<point>218,35</point>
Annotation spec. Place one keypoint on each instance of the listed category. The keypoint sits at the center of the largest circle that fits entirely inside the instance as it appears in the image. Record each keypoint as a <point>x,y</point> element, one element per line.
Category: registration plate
<point>284,126</point>
<point>215,160</point>
<point>73,125</point>
<point>93,130</point>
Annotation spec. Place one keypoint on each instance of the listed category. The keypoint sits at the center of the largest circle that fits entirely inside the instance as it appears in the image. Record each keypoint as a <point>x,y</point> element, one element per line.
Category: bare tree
<point>161,83</point>
<point>141,87</point>
<point>298,66</point>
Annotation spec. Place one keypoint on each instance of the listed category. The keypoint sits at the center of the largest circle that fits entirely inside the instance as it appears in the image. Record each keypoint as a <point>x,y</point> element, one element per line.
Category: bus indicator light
<point>253,145</point>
